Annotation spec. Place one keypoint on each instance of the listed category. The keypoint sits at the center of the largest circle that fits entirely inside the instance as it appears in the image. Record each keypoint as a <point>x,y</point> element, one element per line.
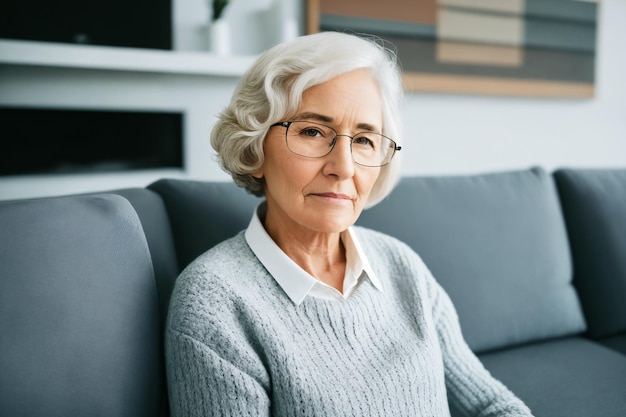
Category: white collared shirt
<point>294,280</point>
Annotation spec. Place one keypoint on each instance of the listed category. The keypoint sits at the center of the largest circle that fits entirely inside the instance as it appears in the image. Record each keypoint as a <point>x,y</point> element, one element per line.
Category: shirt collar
<point>294,280</point>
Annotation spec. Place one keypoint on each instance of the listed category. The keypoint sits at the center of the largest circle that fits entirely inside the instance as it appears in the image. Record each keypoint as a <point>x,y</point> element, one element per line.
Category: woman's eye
<point>363,140</point>
<point>312,133</point>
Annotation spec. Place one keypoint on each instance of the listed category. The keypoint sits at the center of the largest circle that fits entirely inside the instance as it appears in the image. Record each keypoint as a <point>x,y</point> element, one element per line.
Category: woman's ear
<point>258,174</point>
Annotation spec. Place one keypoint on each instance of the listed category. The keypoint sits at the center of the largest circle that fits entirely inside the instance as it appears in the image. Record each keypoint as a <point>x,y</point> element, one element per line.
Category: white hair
<point>271,91</point>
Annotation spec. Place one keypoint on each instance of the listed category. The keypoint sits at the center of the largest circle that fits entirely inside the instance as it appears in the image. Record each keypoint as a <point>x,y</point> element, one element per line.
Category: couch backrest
<point>594,205</point>
<point>203,214</point>
<point>78,310</point>
<point>497,244</point>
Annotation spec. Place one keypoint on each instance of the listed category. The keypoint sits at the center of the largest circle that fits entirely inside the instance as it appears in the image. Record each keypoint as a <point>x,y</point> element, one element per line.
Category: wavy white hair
<point>271,91</point>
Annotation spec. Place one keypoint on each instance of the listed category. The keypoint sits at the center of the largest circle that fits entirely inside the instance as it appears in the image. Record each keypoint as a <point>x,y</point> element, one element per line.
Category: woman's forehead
<point>352,97</point>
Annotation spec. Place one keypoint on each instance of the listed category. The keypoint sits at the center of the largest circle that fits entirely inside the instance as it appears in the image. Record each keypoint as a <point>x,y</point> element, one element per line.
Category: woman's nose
<point>339,161</point>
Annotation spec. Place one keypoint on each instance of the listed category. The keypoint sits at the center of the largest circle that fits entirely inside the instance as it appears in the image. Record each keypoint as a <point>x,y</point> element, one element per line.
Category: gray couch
<point>535,263</point>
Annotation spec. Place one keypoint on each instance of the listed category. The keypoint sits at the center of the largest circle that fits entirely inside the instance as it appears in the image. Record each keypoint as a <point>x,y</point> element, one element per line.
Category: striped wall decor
<point>540,48</point>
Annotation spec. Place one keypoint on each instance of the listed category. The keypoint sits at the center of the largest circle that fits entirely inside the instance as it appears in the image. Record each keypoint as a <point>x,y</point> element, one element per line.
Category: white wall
<point>444,134</point>
<point>449,134</point>
<point>466,134</point>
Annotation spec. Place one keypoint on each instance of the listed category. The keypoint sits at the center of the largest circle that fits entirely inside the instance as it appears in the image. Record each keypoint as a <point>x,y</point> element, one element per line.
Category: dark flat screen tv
<point>52,141</point>
<point>129,23</point>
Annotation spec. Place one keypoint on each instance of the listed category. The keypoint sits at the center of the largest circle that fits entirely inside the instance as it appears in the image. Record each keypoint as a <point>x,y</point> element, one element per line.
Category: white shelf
<point>34,186</point>
<point>46,54</point>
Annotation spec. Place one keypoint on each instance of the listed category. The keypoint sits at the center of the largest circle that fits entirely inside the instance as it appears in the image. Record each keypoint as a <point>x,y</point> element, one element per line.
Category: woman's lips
<point>333,195</point>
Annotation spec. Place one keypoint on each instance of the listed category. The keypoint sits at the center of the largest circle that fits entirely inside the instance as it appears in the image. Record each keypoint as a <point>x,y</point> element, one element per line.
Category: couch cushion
<point>594,205</point>
<point>497,244</point>
<point>203,214</point>
<point>78,310</point>
<point>573,377</point>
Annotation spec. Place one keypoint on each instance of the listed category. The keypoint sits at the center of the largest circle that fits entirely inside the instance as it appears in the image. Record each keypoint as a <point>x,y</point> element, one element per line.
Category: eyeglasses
<point>315,140</point>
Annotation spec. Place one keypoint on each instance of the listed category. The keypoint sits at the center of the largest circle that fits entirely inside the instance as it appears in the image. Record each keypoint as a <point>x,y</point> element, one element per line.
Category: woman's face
<point>327,194</point>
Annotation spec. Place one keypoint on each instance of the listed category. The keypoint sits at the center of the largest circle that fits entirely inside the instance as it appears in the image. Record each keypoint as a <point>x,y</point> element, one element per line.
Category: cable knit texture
<point>236,345</point>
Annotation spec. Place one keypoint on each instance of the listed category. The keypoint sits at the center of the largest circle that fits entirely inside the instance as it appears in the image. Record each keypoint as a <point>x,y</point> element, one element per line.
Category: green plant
<point>218,8</point>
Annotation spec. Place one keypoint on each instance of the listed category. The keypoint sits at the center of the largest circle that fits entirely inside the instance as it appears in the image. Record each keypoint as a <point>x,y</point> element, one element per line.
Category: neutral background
<point>447,134</point>
<point>443,134</point>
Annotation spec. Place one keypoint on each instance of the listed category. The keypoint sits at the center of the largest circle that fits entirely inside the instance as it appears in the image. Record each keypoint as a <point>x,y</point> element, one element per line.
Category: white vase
<point>219,37</point>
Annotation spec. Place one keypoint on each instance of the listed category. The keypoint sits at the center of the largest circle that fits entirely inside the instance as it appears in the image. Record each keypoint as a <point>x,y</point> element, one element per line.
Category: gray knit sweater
<point>236,345</point>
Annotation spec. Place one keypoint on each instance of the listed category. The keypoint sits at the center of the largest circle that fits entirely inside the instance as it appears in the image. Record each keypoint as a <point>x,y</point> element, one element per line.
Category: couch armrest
<point>78,310</point>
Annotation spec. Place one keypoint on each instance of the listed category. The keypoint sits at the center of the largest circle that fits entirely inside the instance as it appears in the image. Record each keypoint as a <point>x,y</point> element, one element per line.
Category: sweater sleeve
<point>202,383</point>
<point>214,367</point>
<point>471,388</point>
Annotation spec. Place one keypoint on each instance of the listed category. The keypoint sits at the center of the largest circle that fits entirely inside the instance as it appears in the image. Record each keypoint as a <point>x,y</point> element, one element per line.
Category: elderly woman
<point>303,313</point>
